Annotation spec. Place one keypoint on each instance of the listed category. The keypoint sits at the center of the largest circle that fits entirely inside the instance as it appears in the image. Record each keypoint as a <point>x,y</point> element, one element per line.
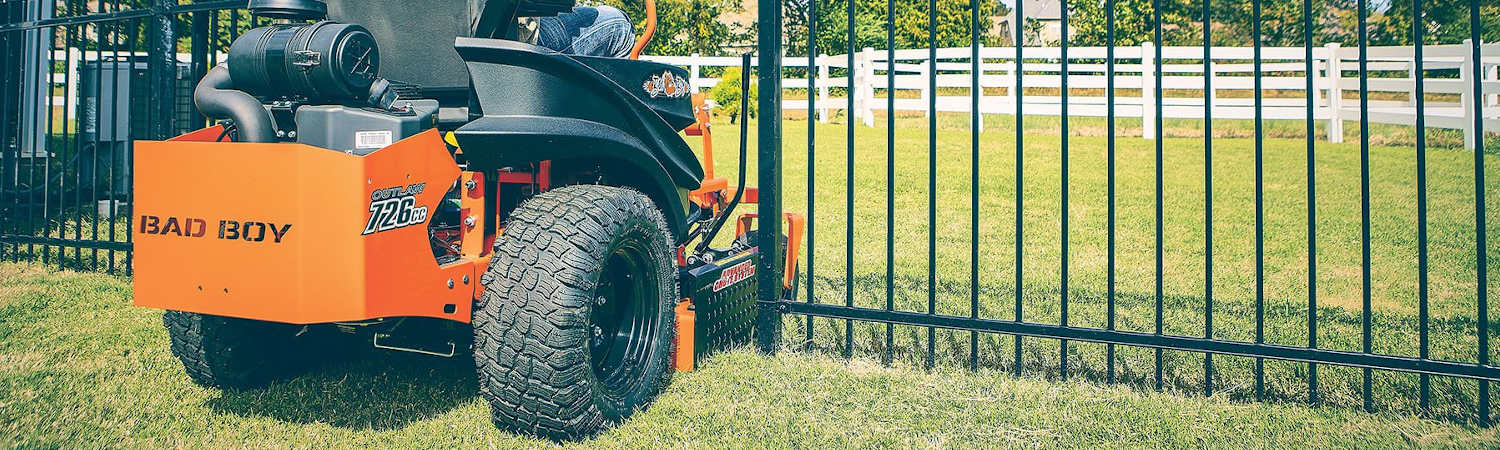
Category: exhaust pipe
<point>216,97</point>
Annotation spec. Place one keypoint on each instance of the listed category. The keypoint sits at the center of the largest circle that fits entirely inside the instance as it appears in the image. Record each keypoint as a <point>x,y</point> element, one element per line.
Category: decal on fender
<point>666,85</point>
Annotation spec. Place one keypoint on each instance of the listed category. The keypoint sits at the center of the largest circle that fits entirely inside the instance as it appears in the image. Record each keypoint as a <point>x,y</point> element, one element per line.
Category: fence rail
<point>1335,90</point>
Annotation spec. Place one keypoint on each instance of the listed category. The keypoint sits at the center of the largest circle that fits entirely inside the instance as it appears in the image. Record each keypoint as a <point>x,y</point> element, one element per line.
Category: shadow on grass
<point>372,390</point>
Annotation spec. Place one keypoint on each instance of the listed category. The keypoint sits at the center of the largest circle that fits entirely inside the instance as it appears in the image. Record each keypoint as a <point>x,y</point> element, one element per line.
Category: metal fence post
<point>1148,90</point>
<point>199,47</point>
<point>1335,94</point>
<point>768,144</point>
<point>163,66</point>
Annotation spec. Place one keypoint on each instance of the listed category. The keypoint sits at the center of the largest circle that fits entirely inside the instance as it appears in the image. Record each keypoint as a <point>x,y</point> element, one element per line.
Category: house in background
<point>1045,17</point>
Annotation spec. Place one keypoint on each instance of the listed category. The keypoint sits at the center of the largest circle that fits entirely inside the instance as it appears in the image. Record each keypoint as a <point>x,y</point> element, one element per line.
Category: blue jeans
<point>587,30</point>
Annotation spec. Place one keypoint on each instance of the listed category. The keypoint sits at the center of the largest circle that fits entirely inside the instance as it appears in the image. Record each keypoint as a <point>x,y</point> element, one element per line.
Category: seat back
<point>416,40</point>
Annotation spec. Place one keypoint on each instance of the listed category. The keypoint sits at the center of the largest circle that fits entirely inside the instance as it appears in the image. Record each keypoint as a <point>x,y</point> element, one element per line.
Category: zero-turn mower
<point>408,174</point>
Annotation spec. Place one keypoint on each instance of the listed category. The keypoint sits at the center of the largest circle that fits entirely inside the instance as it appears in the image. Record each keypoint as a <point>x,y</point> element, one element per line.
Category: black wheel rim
<point>624,320</point>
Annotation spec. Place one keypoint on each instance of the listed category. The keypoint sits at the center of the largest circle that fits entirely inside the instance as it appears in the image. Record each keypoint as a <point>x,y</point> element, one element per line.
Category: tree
<point>1134,23</point>
<point>726,94</point>
<point>1444,22</point>
<point>1281,22</point>
<point>870,21</point>
<point>684,27</point>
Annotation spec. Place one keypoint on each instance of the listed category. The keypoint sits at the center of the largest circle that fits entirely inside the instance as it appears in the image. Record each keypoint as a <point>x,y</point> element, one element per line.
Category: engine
<point>315,82</point>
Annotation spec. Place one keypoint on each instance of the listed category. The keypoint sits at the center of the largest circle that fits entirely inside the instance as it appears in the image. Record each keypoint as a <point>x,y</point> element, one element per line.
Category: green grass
<point>80,367</point>
<point>1393,291</point>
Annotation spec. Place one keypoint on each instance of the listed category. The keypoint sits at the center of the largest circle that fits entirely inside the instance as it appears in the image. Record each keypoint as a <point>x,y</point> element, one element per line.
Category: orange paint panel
<point>795,223</point>
<point>278,231</point>
<point>682,358</point>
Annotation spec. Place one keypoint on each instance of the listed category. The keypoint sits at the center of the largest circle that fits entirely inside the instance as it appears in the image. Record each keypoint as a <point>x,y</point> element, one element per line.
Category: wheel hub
<point>623,321</point>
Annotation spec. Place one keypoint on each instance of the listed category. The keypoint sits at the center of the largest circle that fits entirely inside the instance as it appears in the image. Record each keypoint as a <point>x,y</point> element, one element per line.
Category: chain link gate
<point>854,327</point>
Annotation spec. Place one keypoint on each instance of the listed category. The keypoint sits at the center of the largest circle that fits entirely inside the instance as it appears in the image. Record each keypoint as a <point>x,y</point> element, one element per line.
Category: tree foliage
<point>1281,21</point>
<point>871,19</point>
<point>1444,22</point>
<point>726,94</point>
<point>684,27</point>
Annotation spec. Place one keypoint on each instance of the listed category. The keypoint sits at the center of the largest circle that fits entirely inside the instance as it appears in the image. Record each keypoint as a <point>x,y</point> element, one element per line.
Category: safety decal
<point>666,85</point>
<point>734,275</point>
<point>395,207</point>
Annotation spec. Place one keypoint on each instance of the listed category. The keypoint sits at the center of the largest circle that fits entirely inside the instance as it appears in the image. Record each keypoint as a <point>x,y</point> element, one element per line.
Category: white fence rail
<point>1335,83</point>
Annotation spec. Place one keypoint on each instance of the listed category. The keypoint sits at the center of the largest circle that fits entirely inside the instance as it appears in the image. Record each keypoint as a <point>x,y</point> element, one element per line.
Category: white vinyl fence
<point>1335,83</point>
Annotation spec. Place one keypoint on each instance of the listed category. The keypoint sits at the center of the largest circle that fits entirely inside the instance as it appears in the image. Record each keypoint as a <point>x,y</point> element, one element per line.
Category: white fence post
<point>1335,94</point>
<point>823,70</point>
<point>1148,91</point>
<point>75,63</point>
<point>979,87</point>
<point>1411,74</point>
<point>1317,85</point>
<point>1492,74</point>
<point>867,85</point>
<point>922,71</point>
<point>1211,96</point>
<point>857,88</point>
<point>693,72</point>
<point>1010,87</point>
<point>1469,97</point>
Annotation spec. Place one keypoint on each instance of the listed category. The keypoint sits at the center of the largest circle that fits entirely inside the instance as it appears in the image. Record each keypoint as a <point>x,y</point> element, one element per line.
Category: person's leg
<point>587,30</point>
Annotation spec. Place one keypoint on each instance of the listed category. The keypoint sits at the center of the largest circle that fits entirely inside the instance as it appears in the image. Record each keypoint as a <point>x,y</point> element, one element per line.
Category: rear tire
<point>552,358</point>
<point>226,352</point>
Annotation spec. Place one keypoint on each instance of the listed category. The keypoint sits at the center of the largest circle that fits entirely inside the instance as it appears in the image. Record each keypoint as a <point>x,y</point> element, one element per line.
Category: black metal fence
<point>84,79</point>
<point>92,76</point>
<point>855,310</point>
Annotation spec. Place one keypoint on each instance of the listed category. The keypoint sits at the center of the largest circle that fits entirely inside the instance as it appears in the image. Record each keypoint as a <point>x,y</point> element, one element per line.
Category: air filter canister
<point>323,61</point>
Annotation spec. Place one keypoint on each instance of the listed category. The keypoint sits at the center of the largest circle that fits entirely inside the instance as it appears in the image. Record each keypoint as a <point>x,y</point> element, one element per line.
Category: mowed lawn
<point>80,367</point>
<point>1393,289</point>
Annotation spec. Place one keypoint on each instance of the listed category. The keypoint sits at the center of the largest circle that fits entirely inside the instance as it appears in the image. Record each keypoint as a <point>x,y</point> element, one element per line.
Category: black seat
<point>416,41</point>
<point>416,46</point>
